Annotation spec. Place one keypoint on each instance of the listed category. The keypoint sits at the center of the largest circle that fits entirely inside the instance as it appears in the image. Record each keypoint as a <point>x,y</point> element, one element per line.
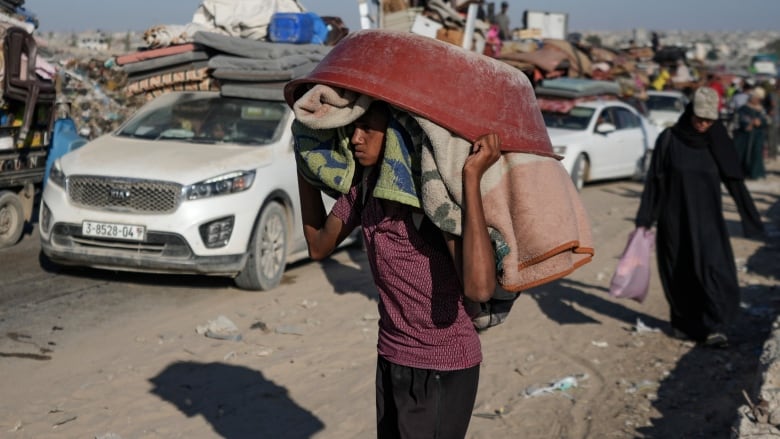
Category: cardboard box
<point>400,20</point>
<point>454,36</point>
<point>424,26</point>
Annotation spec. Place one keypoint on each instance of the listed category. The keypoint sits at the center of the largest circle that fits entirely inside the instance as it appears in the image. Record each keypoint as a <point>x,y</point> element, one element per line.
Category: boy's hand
<point>484,152</point>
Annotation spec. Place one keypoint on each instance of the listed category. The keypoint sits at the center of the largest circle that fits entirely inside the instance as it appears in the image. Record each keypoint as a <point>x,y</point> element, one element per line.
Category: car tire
<point>579,172</point>
<point>267,251</point>
<point>11,219</point>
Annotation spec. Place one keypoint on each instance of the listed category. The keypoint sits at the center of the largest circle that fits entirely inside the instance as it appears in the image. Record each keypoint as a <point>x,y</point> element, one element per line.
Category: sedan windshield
<point>207,118</point>
<point>576,119</point>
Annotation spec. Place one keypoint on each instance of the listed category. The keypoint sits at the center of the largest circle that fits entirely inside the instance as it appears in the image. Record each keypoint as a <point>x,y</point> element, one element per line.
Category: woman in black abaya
<point>682,194</point>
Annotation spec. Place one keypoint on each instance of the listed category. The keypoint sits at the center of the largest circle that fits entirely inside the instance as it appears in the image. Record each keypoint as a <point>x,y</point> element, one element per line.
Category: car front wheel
<point>579,173</point>
<point>267,252</point>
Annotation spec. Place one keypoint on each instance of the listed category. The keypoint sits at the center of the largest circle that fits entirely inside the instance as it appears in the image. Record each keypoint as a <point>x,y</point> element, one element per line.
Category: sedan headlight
<point>221,185</point>
<point>560,150</point>
<point>56,175</point>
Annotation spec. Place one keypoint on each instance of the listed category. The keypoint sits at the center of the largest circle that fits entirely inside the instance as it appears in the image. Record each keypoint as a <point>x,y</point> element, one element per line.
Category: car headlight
<point>56,175</point>
<point>222,185</point>
<point>560,150</point>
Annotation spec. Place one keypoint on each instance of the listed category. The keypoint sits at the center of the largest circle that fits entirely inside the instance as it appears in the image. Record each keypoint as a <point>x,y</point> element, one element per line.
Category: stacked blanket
<point>235,66</point>
<point>539,228</point>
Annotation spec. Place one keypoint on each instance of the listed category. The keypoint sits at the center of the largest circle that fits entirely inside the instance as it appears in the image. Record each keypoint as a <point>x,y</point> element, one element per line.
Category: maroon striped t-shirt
<point>423,323</point>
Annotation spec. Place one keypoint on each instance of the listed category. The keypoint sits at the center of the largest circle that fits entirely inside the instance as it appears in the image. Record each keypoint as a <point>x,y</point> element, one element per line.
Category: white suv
<point>194,182</point>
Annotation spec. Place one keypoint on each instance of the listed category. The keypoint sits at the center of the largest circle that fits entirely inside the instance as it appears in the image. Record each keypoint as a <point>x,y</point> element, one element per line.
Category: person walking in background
<point>741,96</point>
<point>770,105</point>
<point>715,82</point>
<point>682,196</point>
<point>750,134</point>
<point>738,98</point>
<point>655,42</point>
<point>502,19</point>
<point>429,350</point>
<point>661,79</point>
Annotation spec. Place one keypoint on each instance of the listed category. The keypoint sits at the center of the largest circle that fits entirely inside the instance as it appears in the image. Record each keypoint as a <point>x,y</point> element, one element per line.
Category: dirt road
<point>91,354</point>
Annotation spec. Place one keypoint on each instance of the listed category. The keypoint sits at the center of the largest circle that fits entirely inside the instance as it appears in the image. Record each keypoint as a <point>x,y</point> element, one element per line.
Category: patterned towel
<point>324,156</point>
<point>536,220</point>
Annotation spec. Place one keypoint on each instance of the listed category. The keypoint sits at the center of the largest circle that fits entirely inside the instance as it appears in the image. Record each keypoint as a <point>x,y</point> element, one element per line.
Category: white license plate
<point>112,230</point>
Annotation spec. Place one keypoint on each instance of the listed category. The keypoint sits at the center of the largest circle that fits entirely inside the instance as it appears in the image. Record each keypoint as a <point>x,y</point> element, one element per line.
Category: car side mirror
<point>605,128</point>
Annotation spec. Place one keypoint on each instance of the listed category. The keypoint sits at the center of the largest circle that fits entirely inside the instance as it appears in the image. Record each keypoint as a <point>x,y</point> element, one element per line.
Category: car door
<point>632,140</point>
<point>625,145</point>
<point>605,148</point>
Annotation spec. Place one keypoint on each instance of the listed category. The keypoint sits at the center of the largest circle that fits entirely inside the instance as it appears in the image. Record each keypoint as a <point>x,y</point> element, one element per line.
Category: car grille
<point>127,195</point>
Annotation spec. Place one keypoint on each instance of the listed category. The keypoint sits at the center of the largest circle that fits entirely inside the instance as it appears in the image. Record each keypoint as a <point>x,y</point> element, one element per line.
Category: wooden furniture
<point>22,87</point>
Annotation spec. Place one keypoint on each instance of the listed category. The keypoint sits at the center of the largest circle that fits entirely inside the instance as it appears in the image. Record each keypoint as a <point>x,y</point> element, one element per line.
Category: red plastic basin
<point>468,93</point>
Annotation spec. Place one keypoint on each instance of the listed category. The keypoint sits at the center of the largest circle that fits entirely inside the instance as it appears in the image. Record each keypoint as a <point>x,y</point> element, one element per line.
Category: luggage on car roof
<point>576,87</point>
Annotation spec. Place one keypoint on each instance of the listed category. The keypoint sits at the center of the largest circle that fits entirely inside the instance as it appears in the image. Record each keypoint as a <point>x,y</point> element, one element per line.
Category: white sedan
<point>665,107</point>
<point>599,139</point>
<point>194,182</point>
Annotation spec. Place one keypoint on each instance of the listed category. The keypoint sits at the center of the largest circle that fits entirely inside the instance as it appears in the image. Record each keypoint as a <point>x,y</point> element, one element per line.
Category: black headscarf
<point>716,138</point>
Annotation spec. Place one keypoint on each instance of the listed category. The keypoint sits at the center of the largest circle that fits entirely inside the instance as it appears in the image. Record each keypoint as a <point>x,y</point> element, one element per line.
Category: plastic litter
<point>222,328</point>
<point>640,327</point>
<point>560,385</point>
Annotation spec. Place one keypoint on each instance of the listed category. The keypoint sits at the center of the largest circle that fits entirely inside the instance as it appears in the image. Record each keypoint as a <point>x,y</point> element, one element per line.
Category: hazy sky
<point>584,15</point>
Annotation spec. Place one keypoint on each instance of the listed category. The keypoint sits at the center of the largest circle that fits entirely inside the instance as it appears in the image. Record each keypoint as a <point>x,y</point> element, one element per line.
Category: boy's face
<point>368,140</point>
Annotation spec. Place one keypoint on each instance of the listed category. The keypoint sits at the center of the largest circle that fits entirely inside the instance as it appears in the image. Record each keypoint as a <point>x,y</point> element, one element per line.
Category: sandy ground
<point>304,364</point>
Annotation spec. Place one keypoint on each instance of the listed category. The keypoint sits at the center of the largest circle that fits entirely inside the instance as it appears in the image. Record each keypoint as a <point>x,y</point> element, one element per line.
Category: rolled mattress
<point>465,92</point>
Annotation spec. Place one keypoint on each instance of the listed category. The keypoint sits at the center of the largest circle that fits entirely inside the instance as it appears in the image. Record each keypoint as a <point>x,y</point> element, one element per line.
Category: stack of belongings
<point>640,54</point>
<point>555,58</point>
<point>560,95</point>
<point>603,59</point>
<point>257,69</point>
<point>13,12</point>
<point>536,220</point>
<point>235,47</point>
<point>11,16</point>
<point>437,19</point>
<point>180,67</point>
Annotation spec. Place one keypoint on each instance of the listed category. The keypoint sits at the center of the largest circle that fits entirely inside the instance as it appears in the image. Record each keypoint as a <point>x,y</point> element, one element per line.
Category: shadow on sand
<point>238,402</point>
<point>556,300</point>
<point>343,277</point>
<point>701,395</point>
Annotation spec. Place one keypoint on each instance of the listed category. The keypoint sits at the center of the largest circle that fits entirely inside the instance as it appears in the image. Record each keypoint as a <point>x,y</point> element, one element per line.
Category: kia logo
<point>119,193</point>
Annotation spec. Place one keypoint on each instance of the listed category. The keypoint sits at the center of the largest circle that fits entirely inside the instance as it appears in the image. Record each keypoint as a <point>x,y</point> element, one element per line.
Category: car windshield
<point>207,118</point>
<point>664,103</point>
<point>577,118</point>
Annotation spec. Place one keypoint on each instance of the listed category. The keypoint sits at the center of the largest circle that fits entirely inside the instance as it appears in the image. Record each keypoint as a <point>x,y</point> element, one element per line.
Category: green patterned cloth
<point>325,159</point>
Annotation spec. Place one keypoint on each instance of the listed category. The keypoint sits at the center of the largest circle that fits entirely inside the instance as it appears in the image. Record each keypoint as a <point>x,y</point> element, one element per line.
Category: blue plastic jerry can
<point>297,28</point>
<point>64,139</point>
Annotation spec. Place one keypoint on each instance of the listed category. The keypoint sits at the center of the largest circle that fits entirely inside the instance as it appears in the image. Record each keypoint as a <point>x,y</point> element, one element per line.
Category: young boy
<point>429,351</point>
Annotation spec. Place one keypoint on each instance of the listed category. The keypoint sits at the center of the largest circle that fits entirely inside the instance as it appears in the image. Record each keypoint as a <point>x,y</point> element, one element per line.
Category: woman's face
<point>369,137</point>
<point>701,125</point>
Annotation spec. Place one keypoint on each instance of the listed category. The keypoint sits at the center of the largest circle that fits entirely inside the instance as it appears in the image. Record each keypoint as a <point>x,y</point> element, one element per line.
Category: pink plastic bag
<point>632,275</point>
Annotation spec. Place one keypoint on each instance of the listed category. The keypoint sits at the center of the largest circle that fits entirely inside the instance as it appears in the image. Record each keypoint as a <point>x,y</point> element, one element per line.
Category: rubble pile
<point>761,417</point>
<point>95,91</point>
